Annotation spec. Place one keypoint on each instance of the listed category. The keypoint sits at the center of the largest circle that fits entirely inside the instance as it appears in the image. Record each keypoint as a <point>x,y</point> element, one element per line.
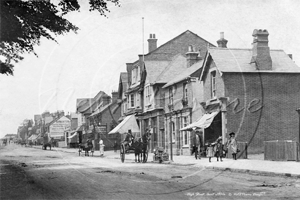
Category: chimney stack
<point>222,43</point>
<point>114,96</point>
<point>260,50</point>
<point>191,56</point>
<point>152,43</point>
<point>106,100</point>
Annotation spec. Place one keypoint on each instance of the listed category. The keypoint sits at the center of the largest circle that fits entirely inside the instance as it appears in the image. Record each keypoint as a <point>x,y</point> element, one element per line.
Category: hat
<point>232,133</point>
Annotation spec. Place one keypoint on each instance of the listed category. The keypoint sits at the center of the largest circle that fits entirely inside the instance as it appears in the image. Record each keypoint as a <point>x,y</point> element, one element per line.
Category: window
<point>173,132</point>
<point>148,93</point>
<point>131,100</point>
<point>185,92</point>
<point>137,100</point>
<point>213,84</point>
<point>135,75</point>
<point>170,95</point>
<point>185,133</point>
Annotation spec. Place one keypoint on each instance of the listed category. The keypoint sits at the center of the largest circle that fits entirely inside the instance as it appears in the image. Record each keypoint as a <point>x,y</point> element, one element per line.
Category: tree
<point>25,22</point>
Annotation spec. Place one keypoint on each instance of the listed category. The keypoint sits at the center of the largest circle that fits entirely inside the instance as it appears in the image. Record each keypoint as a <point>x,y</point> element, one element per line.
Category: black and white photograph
<point>149,99</point>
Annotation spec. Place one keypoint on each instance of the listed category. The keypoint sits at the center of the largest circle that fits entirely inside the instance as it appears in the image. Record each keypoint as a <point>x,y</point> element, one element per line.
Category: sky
<point>80,65</point>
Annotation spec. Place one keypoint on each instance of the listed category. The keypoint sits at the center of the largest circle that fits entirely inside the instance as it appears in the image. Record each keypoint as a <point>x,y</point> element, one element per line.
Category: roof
<point>175,67</point>
<point>84,105</point>
<point>103,108</point>
<point>154,69</point>
<point>124,77</point>
<point>238,60</point>
<point>170,41</point>
<point>185,74</point>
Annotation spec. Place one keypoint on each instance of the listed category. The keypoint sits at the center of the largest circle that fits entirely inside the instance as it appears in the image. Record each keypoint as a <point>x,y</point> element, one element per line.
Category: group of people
<point>217,149</point>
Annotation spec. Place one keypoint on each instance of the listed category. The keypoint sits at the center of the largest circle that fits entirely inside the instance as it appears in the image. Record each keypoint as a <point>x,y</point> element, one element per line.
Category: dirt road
<point>30,173</point>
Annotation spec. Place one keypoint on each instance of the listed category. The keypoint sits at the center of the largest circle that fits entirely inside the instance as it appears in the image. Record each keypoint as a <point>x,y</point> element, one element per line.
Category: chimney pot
<point>152,43</point>
<point>221,35</point>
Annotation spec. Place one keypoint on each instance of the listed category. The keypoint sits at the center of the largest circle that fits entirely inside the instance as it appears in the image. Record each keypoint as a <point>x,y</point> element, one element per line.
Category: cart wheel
<point>122,153</point>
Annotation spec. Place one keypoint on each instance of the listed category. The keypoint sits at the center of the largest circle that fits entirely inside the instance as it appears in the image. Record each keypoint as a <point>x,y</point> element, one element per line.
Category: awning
<point>128,123</point>
<point>72,135</point>
<point>204,122</point>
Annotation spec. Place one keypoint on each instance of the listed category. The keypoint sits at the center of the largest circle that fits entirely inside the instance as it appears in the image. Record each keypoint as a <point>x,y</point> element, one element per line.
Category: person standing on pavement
<point>219,149</point>
<point>115,146</point>
<point>210,151</point>
<point>232,145</point>
<point>101,147</point>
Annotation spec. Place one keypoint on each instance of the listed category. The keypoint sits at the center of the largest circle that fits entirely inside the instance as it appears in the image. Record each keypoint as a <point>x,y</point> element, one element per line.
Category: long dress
<point>210,151</point>
<point>232,144</point>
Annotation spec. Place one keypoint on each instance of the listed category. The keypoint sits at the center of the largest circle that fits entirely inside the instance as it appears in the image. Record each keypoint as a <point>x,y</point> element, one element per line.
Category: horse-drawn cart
<point>139,147</point>
<point>86,148</point>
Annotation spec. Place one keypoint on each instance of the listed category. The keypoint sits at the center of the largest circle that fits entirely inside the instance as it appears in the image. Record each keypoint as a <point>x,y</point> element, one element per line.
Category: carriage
<point>139,146</point>
<point>86,148</point>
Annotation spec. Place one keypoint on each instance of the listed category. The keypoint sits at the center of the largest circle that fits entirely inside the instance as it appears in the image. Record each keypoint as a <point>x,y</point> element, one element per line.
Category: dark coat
<point>219,150</point>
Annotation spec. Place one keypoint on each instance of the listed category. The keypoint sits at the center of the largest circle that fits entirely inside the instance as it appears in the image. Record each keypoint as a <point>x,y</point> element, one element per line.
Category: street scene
<point>31,173</point>
<point>107,99</point>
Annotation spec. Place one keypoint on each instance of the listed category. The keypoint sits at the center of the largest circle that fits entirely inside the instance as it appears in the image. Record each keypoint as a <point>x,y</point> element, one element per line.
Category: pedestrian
<point>210,151</point>
<point>232,145</point>
<point>101,147</point>
<point>199,143</point>
<point>219,149</point>
<point>115,146</point>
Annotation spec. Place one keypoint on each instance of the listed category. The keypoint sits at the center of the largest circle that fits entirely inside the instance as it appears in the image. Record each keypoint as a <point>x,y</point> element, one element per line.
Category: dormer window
<point>135,75</point>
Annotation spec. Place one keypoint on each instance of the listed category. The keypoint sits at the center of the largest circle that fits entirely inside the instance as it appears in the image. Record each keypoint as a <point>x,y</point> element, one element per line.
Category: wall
<point>279,94</point>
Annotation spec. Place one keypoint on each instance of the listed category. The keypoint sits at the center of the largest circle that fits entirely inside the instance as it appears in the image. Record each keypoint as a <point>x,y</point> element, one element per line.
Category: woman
<point>232,144</point>
<point>101,147</point>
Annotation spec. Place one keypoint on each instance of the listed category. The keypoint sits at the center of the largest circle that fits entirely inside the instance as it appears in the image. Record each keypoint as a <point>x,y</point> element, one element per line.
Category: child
<point>210,152</point>
<point>219,149</point>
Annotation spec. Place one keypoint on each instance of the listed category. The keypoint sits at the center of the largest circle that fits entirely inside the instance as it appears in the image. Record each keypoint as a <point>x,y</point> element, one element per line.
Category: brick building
<point>104,119</point>
<point>183,95</point>
<point>146,77</point>
<point>254,93</point>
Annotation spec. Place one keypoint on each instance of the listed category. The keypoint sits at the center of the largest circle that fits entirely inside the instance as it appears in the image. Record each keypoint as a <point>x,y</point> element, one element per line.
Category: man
<point>128,139</point>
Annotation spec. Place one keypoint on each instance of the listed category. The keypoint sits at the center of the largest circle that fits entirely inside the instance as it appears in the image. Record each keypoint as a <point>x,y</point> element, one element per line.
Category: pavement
<point>255,163</point>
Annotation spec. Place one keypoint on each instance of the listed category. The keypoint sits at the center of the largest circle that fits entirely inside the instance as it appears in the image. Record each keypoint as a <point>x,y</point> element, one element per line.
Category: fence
<point>282,150</point>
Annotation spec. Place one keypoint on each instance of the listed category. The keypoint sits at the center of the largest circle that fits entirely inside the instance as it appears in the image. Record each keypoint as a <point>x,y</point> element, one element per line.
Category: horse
<point>145,139</point>
<point>86,148</point>
<point>138,150</point>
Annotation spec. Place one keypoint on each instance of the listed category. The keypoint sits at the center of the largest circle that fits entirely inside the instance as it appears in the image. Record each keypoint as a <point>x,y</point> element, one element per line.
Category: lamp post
<point>298,110</point>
